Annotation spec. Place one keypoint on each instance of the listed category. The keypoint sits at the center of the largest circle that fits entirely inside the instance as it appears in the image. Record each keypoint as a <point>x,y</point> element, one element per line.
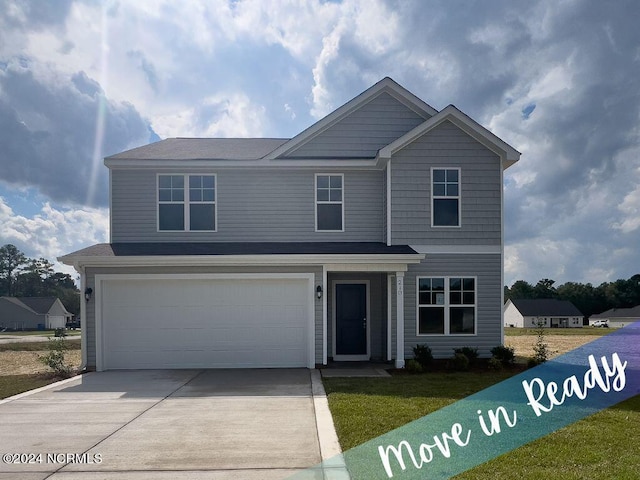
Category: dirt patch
<point>558,344</point>
<point>22,363</point>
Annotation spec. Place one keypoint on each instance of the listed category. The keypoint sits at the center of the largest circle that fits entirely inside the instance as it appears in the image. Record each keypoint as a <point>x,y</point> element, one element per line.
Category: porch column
<point>399,319</point>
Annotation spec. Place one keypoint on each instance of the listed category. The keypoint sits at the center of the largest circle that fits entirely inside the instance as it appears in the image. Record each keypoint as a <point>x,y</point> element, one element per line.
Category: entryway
<point>351,320</point>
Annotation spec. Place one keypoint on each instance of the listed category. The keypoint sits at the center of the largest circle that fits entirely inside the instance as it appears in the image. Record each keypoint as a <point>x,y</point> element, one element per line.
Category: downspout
<point>83,315</point>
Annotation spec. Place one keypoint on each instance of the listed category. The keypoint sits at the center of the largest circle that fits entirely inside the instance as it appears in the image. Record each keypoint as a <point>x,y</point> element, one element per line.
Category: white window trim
<point>459,197</point>
<point>186,202</point>
<point>316,202</point>
<point>447,305</point>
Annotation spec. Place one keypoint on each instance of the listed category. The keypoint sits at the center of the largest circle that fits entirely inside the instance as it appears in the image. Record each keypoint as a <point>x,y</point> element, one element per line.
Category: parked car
<point>72,325</point>
<point>601,323</point>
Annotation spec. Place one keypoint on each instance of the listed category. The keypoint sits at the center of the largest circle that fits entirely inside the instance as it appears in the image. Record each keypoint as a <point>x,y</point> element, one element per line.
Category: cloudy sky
<point>558,80</point>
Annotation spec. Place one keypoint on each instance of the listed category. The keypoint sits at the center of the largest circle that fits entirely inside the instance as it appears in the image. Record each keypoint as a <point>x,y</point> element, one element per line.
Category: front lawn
<point>14,384</point>
<point>591,331</point>
<point>605,445</point>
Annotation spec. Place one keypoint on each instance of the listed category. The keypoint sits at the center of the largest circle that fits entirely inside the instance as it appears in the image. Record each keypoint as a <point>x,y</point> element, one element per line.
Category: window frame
<point>446,197</point>
<point>447,306</point>
<point>328,202</point>
<point>187,202</point>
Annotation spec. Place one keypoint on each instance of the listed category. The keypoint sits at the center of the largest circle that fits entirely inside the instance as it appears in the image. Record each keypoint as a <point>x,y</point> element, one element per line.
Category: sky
<point>559,80</point>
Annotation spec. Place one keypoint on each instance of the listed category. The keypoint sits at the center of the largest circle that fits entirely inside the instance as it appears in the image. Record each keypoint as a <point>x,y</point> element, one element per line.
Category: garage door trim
<point>100,278</point>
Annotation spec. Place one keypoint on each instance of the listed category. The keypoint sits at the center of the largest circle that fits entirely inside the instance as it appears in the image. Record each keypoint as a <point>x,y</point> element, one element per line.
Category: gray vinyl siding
<point>487,270</point>
<point>446,146</point>
<point>252,206</point>
<point>363,132</point>
<point>90,322</point>
<point>377,310</point>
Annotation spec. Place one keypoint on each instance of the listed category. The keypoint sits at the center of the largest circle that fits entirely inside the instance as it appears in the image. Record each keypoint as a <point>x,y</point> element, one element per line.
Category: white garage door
<point>205,323</point>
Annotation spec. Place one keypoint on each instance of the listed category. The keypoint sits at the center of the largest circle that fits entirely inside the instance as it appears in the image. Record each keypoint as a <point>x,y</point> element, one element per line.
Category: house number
<point>400,286</point>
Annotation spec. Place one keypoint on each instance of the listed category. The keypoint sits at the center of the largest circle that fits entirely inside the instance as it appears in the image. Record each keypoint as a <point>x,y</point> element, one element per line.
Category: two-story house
<point>378,228</point>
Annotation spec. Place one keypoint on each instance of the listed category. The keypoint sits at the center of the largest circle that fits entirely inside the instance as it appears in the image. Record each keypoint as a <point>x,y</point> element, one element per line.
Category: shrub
<point>422,354</point>
<point>412,366</point>
<point>494,364</point>
<point>506,355</point>
<point>460,362</point>
<point>541,348</point>
<point>55,358</point>
<point>470,353</point>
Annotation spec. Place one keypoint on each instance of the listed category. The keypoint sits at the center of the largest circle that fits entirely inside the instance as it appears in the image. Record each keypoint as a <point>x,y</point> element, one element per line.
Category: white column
<point>399,319</point>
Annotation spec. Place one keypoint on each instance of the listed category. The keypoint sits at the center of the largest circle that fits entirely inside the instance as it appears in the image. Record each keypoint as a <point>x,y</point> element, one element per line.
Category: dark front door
<point>351,319</point>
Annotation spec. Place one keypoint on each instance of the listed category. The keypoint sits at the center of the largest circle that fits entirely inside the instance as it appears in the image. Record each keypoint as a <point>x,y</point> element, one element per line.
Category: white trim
<point>100,278</point>
<point>343,262</point>
<point>83,317</point>
<point>388,193</point>
<point>445,197</point>
<point>389,315</point>
<point>343,358</point>
<point>501,256</point>
<point>457,249</point>
<point>328,202</point>
<point>187,202</point>
<point>508,155</point>
<point>447,306</point>
<point>282,164</point>
<point>110,210</point>
<point>399,319</point>
<point>325,320</point>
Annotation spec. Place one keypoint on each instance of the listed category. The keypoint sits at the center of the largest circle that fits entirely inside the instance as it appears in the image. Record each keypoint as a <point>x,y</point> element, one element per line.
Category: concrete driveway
<point>169,424</point>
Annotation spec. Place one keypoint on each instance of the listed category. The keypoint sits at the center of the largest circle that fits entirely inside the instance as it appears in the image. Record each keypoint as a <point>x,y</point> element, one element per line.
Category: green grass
<point>605,445</point>
<point>34,346</point>
<point>44,333</point>
<point>14,384</point>
<point>596,332</point>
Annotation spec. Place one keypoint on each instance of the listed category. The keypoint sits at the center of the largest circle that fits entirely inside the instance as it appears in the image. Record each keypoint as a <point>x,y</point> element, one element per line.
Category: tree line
<point>21,276</point>
<point>587,298</point>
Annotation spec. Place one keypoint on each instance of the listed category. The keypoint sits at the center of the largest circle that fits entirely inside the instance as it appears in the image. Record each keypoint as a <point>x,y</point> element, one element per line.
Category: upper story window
<point>329,203</point>
<point>446,305</point>
<point>445,194</point>
<point>187,203</point>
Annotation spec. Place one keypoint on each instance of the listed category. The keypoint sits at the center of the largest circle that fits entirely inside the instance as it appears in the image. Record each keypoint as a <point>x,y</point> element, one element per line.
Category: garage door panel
<point>205,323</point>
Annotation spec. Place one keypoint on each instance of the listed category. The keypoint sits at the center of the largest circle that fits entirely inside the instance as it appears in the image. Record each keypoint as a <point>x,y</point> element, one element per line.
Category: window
<point>194,210</point>
<point>446,306</point>
<point>445,193</point>
<point>329,203</point>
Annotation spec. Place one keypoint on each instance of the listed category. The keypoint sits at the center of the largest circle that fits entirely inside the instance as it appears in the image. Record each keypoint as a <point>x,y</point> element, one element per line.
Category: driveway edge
<point>41,389</point>
<point>327,436</point>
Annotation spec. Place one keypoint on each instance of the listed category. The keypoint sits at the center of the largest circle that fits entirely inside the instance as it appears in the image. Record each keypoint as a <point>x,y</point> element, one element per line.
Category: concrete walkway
<point>162,424</point>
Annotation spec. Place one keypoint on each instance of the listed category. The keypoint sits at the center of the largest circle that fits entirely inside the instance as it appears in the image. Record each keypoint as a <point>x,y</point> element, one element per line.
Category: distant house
<point>617,317</point>
<point>23,313</point>
<point>551,313</point>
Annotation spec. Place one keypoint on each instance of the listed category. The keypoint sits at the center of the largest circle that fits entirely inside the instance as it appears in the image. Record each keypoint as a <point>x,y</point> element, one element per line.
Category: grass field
<point>20,369</point>
<point>603,446</point>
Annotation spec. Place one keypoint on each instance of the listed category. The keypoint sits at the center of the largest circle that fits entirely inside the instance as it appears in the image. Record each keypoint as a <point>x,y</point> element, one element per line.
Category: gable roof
<point>633,312</point>
<point>507,153</point>
<point>546,307</point>
<point>35,305</point>
<point>386,85</point>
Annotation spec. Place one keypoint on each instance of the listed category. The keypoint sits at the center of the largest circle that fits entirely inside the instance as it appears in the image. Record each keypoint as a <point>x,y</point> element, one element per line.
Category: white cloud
<point>54,231</point>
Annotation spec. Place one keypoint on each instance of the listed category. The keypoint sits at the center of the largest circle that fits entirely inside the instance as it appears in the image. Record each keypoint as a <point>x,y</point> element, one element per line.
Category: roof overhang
<point>346,256</point>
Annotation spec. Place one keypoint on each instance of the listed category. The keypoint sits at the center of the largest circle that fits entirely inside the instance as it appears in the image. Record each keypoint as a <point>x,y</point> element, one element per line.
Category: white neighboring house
<point>617,317</point>
<point>551,313</point>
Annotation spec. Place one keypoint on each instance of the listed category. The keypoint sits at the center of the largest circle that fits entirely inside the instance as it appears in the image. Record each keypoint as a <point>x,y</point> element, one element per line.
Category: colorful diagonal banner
<point>504,416</point>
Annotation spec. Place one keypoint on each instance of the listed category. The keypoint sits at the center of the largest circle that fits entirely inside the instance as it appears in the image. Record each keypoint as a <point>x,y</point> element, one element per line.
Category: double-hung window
<point>445,194</point>
<point>329,203</point>
<point>187,203</point>
<point>446,305</point>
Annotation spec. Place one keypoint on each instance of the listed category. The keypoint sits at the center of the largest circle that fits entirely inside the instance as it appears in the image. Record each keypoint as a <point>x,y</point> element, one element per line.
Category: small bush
<point>460,362</point>
<point>506,355</point>
<point>422,354</point>
<point>412,366</point>
<point>470,353</point>
<point>55,358</point>
<point>494,364</point>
